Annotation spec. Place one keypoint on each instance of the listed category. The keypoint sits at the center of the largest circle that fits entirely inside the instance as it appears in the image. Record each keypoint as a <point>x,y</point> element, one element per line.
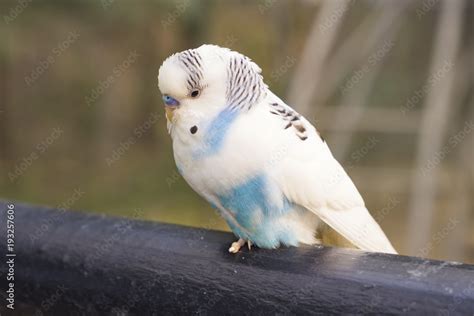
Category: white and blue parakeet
<point>251,156</point>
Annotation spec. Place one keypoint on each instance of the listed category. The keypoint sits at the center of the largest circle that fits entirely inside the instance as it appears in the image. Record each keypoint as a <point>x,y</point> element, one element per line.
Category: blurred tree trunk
<point>4,144</point>
<point>349,53</point>
<point>437,114</point>
<point>355,101</point>
<point>317,48</point>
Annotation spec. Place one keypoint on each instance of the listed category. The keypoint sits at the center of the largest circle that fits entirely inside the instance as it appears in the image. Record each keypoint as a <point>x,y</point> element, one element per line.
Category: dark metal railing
<point>74,263</point>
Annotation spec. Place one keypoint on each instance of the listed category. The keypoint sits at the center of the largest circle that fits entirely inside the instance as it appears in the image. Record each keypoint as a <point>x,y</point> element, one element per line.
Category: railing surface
<point>74,263</point>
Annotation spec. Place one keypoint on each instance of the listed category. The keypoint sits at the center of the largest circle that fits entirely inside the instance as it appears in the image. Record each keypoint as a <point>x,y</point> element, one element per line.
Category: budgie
<point>262,165</point>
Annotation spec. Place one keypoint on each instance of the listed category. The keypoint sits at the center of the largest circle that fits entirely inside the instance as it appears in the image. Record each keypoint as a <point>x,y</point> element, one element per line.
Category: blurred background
<point>388,83</point>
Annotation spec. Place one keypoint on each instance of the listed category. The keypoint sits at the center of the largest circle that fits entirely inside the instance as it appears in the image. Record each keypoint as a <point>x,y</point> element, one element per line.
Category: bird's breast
<point>234,170</point>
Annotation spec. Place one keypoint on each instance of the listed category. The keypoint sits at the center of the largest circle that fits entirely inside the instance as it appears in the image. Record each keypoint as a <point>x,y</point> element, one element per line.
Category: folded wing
<point>311,177</point>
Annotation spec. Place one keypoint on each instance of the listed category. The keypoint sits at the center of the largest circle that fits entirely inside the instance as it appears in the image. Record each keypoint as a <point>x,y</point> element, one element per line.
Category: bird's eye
<point>195,93</point>
<point>170,100</point>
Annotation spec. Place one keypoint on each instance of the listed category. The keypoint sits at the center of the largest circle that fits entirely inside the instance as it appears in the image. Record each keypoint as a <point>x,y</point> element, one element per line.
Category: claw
<point>249,244</point>
<point>235,247</point>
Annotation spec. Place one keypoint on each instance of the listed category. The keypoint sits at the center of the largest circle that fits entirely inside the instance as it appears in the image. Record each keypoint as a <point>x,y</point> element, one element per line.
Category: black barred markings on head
<point>192,61</point>
<point>245,85</point>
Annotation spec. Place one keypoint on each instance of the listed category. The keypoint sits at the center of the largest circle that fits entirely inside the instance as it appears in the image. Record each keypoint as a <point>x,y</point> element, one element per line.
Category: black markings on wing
<point>192,62</point>
<point>292,118</point>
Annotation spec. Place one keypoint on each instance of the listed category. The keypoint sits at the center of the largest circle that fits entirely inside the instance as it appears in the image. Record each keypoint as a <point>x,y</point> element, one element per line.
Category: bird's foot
<point>235,247</point>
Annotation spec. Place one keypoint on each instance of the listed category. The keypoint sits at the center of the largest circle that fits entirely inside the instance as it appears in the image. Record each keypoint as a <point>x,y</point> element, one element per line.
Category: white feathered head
<point>208,78</point>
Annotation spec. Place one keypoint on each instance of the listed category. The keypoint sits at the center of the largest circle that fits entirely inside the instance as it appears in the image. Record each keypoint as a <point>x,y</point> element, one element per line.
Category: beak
<point>170,113</point>
<point>171,105</point>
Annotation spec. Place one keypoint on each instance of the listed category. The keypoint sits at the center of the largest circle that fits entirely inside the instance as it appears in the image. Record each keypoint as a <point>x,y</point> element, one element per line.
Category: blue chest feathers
<point>216,133</point>
<point>257,207</point>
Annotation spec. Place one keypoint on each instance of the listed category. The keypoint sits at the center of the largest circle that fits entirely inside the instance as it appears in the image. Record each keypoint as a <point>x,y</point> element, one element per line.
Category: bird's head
<point>201,82</point>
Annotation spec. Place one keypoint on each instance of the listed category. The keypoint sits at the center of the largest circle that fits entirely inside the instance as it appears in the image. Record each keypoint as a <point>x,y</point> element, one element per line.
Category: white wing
<point>310,176</point>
